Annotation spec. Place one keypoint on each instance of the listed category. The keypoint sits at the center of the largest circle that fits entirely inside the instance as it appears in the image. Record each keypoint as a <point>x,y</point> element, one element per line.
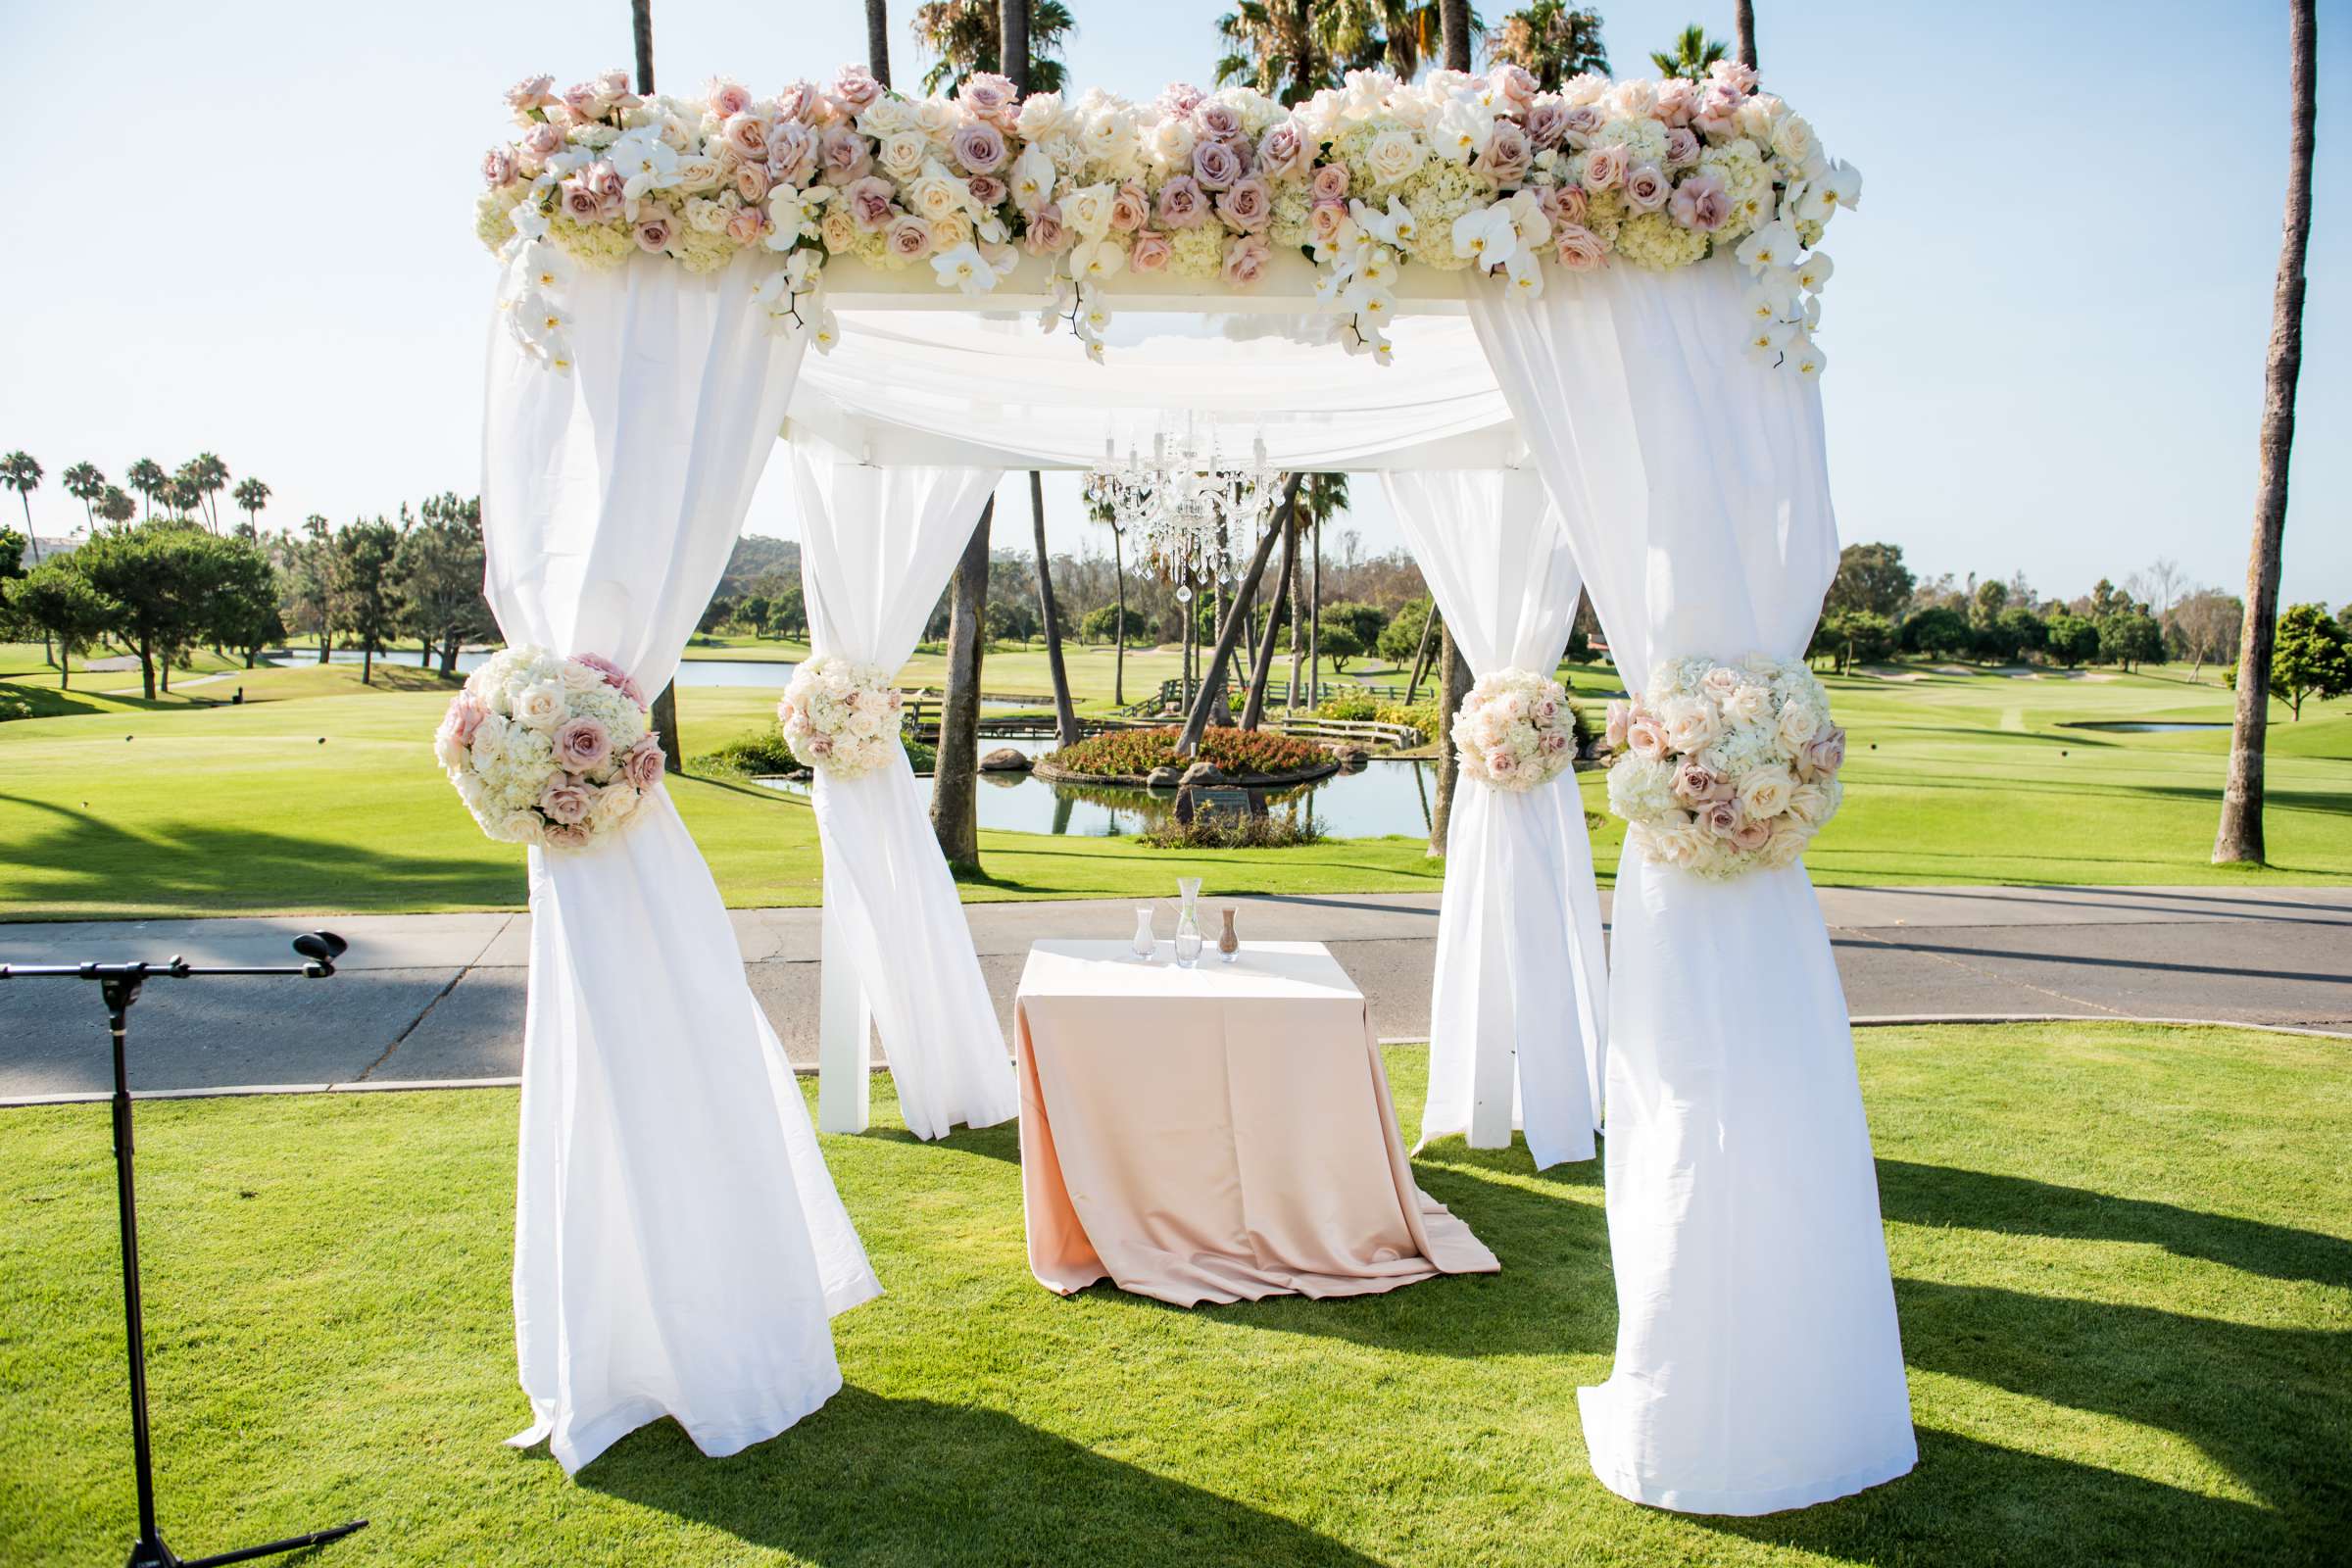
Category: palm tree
<point>148,478</point>
<point>1100,510</point>
<point>965,36</point>
<point>877,39</point>
<point>1743,26</point>
<point>1323,496</point>
<point>1286,49</point>
<point>206,476</point>
<point>2240,836</point>
<point>116,506</point>
<point>23,474</point>
<point>253,495</point>
<point>1552,41</point>
<point>1066,716</point>
<point>1692,53</point>
<point>1453,32</point>
<point>85,484</point>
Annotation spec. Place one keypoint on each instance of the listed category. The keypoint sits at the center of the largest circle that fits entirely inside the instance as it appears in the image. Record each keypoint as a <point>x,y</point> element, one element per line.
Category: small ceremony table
<point>1216,1134</point>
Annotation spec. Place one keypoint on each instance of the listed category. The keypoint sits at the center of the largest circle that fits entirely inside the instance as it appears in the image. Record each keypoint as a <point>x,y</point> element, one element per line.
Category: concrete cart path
<point>439,996</point>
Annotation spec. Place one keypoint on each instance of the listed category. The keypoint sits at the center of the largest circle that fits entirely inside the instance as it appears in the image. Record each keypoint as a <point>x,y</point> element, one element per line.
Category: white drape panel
<point>1758,1361</point>
<point>1517,1008</point>
<point>876,546</point>
<point>679,1247</point>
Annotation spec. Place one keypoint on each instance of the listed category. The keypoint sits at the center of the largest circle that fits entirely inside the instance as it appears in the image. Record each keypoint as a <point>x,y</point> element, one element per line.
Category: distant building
<point>49,547</point>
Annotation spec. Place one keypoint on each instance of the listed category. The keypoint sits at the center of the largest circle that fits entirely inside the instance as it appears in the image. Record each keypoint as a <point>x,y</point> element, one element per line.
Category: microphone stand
<point>120,984</point>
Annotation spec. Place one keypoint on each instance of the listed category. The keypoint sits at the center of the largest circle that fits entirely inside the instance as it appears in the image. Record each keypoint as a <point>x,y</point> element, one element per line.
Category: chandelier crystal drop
<point>1193,511</point>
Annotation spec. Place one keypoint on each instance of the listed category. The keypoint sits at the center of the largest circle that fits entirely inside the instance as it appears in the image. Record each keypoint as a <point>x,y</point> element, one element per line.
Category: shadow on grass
<point>1001,1142</point>
<point>84,861</point>
<point>1941,1195</point>
<point>873,1480</point>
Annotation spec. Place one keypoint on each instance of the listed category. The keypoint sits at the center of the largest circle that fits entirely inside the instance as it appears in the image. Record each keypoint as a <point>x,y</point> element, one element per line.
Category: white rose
<point>1793,139</point>
<point>1746,704</point>
<point>1764,792</point>
<point>541,706</point>
<point>901,154</point>
<point>1394,155</point>
<point>1798,724</point>
<point>522,827</point>
<point>1690,721</point>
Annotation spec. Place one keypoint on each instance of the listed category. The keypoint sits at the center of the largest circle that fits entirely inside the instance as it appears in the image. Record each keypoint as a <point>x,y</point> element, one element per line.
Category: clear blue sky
<point>246,227</point>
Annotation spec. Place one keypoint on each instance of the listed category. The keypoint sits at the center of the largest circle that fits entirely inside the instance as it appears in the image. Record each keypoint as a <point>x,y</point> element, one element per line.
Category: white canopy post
<point>1517,1008</point>
<point>876,546</point>
<point>1759,1363</point>
<point>678,1244</point>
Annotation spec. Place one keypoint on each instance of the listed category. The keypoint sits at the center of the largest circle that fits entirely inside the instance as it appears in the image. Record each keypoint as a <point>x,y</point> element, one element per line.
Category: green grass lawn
<point>2122,1258</point>
<point>319,794</point>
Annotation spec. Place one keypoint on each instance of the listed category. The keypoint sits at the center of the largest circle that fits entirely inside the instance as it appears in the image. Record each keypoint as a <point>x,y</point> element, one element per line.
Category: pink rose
<point>1178,99</point>
<point>1605,167</point>
<point>641,767</point>
<point>745,136</point>
<point>1718,116</point>
<point>801,101</point>
<point>1246,258</point>
<point>1325,219</point>
<point>603,179</point>
<point>567,798</point>
<point>989,96</point>
<point>568,836</point>
<point>728,97</point>
<point>1181,204</point>
<point>1219,122</point>
<point>1282,151</point>
<point>746,224</point>
<point>579,203</point>
<point>751,181</point>
<point>465,716</point>
<point>540,143</point>
<point>1615,719</point>
<point>1330,183</point>
<point>1646,189</point>
<point>986,189</point>
<point>1505,161</point>
<point>1645,737</point>
<point>1216,165</point>
<point>1130,209</point>
<point>1579,126</point>
<point>1723,818</point>
<point>1824,753</point>
<point>1151,252</point>
<point>655,228</point>
<point>1699,202</point>
<point>1547,124</point>
<point>498,168</point>
<point>869,203</point>
<point>791,149</point>
<point>1695,784</point>
<point>1046,234</point>
<point>856,86</point>
<point>1678,101</point>
<point>1502,764</point>
<point>910,237</point>
<point>1562,203</point>
<point>1730,74</point>
<point>1248,207</point>
<point>1552,743</point>
<point>1577,248</point>
<point>1751,837</point>
<point>1513,83</point>
<point>583,744</point>
<point>531,92</point>
<point>980,148</point>
<point>844,156</point>
<point>1681,147</point>
<point>615,84</point>
<point>586,101</point>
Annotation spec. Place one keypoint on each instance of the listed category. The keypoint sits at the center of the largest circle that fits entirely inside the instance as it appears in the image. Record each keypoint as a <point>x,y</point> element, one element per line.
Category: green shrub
<point>1231,830</point>
<point>755,756</point>
<point>1135,753</point>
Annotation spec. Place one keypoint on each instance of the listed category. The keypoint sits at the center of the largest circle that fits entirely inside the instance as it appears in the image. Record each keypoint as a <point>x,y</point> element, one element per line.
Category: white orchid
<point>1525,270</point>
<point>1032,182</point>
<point>1842,184</point>
<point>645,161</point>
<point>1803,356</point>
<point>1774,245</point>
<point>1814,271</point>
<point>964,268</point>
<point>1487,236</point>
<point>1769,341</point>
<point>1096,260</point>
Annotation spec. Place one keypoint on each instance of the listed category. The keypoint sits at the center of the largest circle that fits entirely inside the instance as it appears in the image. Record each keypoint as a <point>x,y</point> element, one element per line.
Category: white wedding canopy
<point>678,1244</point>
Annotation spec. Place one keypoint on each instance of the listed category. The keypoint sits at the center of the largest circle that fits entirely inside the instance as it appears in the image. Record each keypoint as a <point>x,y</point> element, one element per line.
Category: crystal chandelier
<point>1192,511</point>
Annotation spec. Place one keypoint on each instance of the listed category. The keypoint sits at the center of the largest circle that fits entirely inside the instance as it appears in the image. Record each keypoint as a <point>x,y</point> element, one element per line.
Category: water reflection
<point>770,672</point>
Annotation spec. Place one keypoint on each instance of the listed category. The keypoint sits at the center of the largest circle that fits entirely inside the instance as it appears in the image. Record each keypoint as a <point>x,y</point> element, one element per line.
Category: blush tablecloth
<point>1217,1134</point>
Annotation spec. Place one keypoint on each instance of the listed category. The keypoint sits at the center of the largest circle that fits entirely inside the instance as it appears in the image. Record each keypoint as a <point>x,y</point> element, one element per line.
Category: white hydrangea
<point>841,716</point>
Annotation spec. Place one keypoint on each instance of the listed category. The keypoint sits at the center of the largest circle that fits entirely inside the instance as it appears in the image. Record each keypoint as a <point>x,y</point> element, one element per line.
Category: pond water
<point>1382,798</point>
<point>2143,727</point>
<point>772,673</point>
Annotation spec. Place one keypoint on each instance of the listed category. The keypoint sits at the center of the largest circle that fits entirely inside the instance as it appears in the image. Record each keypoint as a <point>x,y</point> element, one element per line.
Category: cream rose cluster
<point>839,716</point>
<point>1516,730</point>
<point>1447,172</point>
<point>1721,768</point>
<point>547,750</point>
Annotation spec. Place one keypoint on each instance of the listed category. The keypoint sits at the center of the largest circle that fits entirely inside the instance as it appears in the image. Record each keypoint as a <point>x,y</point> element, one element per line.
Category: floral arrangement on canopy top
<point>1453,172</point>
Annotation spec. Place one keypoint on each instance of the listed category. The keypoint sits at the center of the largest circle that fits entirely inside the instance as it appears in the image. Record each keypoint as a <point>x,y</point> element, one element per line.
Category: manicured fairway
<point>319,794</point>
<point>2122,1256</point>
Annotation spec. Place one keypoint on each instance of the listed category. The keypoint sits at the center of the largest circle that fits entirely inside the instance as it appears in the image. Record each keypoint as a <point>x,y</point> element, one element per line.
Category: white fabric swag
<point>1517,1007</point>
<point>1759,1363</point>
<point>679,1247</point>
<point>877,544</point>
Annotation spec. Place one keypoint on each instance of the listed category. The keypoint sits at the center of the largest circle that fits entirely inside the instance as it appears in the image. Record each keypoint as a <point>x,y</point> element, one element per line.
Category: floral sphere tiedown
<point>547,750</point>
<point>1516,730</point>
<point>839,716</point>
<point>1722,769</point>
<point>1454,171</point>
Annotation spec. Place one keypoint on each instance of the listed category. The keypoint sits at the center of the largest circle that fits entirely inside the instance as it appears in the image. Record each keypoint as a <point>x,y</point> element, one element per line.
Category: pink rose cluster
<point>1515,730</point>
<point>549,750</point>
<point>1721,768</point>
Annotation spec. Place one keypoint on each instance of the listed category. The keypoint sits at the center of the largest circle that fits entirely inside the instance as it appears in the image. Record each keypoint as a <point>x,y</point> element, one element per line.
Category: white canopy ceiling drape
<point>679,1247</point>
<point>1517,1008</point>
<point>877,544</point>
<point>1759,1367</point>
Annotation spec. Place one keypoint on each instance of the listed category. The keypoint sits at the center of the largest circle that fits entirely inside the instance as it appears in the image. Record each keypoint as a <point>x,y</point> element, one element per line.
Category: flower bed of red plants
<point>1241,755</point>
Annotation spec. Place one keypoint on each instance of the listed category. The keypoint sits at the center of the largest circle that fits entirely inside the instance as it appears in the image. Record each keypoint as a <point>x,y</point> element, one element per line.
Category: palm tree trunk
<point>1454,22</point>
<point>1254,709</point>
<point>25,496</point>
<point>1315,627</point>
<point>1013,42</point>
<point>1297,650</point>
<point>1744,20</point>
<point>1455,685</point>
<point>877,39</point>
<point>956,776</point>
<point>664,720</point>
<point>1212,681</point>
<point>1118,658</point>
<point>1066,716</point>
<point>2240,836</point>
<point>1413,685</point>
<point>641,29</point>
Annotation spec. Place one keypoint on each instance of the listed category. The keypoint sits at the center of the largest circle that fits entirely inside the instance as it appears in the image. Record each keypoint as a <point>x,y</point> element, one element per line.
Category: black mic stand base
<point>153,1553</point>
